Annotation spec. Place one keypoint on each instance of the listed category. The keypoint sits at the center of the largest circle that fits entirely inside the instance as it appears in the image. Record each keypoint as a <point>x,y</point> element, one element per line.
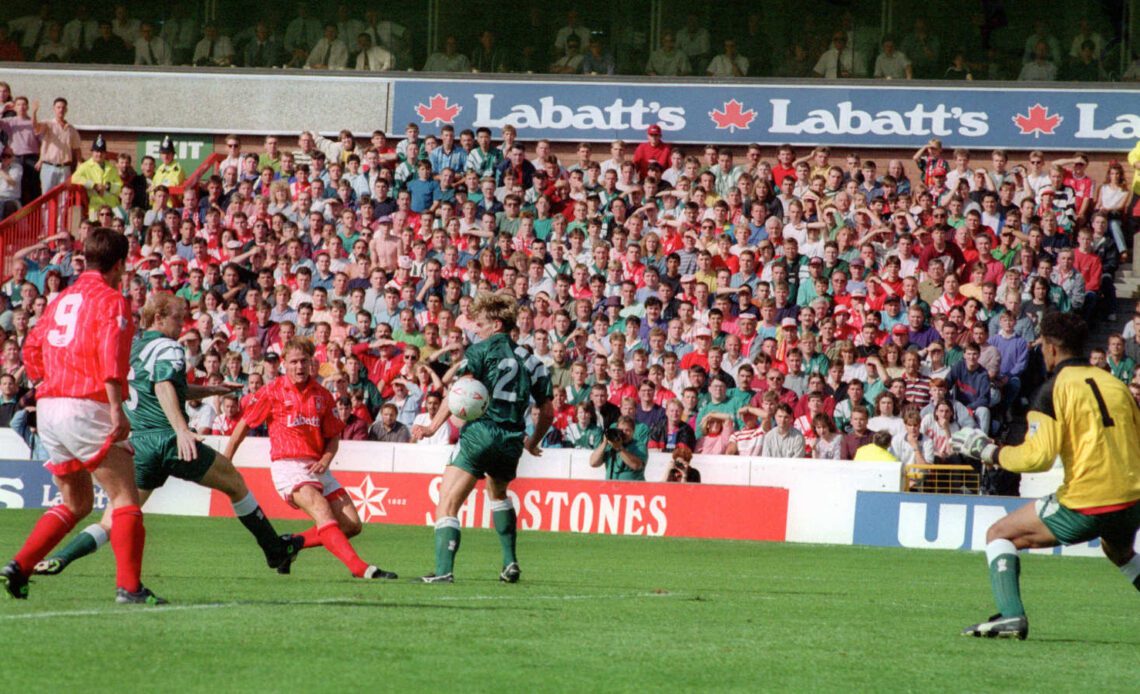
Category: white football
<point>467,399</point>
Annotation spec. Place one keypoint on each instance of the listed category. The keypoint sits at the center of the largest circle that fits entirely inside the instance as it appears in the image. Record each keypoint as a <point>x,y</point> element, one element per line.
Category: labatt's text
<point>846,120</point>
<point>549,115</point>
<point>1125,127</point>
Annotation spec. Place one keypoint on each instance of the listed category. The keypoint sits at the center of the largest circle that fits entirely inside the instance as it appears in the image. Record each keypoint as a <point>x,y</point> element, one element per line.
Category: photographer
<point>681,469</point>
<point>623,457</point>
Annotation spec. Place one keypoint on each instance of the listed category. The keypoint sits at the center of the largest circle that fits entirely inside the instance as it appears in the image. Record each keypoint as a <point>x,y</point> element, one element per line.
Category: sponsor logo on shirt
<point>296,420</point>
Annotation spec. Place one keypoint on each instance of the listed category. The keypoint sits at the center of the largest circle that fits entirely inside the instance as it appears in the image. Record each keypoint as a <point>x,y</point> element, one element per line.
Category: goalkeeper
<point>1087,417</point>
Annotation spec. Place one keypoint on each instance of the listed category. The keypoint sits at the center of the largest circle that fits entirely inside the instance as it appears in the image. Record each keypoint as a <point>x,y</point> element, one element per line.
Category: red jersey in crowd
<point>82,341</point>
<point>301,418</point>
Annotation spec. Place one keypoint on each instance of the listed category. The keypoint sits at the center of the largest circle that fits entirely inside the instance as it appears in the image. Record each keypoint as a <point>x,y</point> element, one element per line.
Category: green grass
<point>592,612</point>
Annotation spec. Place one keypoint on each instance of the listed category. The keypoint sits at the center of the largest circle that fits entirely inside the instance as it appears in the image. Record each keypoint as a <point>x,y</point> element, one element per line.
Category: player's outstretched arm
<point>236,438</point>
<point>545,419</point>
<point>422,432</point>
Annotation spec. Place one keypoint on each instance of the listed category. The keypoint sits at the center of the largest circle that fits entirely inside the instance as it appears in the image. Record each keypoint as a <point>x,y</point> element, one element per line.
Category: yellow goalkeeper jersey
<point>1088,417</point>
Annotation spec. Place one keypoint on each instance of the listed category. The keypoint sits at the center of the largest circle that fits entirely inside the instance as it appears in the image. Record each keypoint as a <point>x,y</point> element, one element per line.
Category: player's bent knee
<point>81,506</point>
<point>351,527</point>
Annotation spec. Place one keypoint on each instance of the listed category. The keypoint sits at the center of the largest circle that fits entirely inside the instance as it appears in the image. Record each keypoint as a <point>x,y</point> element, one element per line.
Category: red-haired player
<point>80,351</point>
<point>304,435</point>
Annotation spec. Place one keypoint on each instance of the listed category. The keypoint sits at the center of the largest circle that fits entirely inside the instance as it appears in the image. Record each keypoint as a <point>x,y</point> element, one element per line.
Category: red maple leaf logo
<point>1037,121</point>
<point>733,116</point>
<point>437,110</point>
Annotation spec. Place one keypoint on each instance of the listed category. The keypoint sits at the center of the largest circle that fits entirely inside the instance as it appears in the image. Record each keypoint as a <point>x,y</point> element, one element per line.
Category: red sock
<point>335,541</point>
<point>127,539</point>
<point>52,527</point>
<point>312,537</point>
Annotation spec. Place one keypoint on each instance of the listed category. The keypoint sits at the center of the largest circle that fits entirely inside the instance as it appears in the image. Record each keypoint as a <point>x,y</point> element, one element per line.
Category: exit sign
<point>189,151</point>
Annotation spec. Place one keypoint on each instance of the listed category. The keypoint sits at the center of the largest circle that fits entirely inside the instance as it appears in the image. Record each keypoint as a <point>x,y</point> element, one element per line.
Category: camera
<point>614,436</point>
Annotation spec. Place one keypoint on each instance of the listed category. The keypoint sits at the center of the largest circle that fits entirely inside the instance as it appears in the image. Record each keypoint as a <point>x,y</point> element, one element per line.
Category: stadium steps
<point>1127,283</point>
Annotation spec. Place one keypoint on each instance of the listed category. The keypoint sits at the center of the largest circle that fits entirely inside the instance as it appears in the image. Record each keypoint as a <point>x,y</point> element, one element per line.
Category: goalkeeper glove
<point>973,443</point>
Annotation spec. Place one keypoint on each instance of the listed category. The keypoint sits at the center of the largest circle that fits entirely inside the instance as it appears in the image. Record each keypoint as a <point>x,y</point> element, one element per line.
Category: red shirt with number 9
<point>82,341</point>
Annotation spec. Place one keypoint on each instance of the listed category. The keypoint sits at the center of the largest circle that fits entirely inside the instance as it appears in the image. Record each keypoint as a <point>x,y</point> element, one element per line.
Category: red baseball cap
<point>654,129</point>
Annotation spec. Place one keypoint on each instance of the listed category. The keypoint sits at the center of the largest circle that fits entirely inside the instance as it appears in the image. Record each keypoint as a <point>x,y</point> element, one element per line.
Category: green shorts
<point>488,450</point>
<point>1070,527</point>
<point>156,460</point>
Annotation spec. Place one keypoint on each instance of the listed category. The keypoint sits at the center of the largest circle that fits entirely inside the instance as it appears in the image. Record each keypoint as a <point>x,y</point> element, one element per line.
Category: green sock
<point>87,542</point>
<point>254,520</point>
<point>1005,573</point>
<point>446,544</point>
<point>506,524</point>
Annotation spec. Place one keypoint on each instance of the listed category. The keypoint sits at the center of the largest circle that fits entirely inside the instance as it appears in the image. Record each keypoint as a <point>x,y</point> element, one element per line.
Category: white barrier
<point>822,495</point>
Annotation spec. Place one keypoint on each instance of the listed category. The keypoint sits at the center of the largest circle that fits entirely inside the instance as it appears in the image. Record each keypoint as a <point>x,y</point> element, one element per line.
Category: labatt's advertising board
<point>1012,117</point>
<point>580,506</point>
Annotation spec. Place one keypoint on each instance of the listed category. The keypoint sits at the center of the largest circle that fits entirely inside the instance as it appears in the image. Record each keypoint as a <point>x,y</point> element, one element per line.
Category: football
<point>467,399</point>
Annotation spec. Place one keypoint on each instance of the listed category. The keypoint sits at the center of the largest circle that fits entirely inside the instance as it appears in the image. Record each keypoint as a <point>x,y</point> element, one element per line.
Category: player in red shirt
<point>304,435</point>
<point>79,351</point>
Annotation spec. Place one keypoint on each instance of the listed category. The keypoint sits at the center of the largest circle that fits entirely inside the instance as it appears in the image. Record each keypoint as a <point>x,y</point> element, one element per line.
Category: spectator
<point>892,64</point>
<point>597,61</point>
<point>449,60</point>
<point>729,63</point>
<point>9,399</point>
<point>11,175</point>
<point>572,29</point>
<point>214,49</point>
<point>151,49</point>
<point>828,441</point>
<point>303,32</point>
<point>570,62</point>
<point>1040,68</point>
<point>681,469</point>
<point>1085,66</point>
<point>59,147</point>
<point>924,50</point>
<point>840,60</point>
<point>262,51</point>
<point>489,57</point>
<point>784,441</point>
<point>860,435</point>
<point>693,41</point>
<point>624,458</point>
<point>668,61</point>
<point>109,48</point>
<point>329,52</point>
<point>443,435</point>
<point>387,429</point>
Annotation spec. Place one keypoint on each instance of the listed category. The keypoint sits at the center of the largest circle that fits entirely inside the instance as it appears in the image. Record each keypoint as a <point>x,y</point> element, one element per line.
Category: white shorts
<point>76,433</point>
<point>289,475</point>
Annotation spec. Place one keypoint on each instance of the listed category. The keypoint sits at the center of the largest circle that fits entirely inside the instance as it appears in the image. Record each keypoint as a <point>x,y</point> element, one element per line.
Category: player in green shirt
<point>491,445</point>
<point>164,444</point>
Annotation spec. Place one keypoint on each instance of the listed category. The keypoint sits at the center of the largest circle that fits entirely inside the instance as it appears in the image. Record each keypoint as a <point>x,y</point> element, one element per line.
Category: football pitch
<point>591,613</point>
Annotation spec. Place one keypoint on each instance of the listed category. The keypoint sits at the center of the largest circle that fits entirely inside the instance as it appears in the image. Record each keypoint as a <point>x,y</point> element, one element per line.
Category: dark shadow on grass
<point>1087,642</point>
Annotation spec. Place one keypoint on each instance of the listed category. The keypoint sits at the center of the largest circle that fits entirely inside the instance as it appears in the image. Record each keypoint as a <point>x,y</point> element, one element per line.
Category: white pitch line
<point>158,609</point>
<point>350,602</point>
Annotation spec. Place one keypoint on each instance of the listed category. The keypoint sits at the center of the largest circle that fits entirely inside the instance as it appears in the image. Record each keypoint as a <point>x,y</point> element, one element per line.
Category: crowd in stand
<point>561,43</point>
<point>766,302</point>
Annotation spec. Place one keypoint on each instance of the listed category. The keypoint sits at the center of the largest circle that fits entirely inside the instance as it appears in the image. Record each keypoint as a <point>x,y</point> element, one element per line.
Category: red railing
<point>59,209</point>
<point>194,178</point>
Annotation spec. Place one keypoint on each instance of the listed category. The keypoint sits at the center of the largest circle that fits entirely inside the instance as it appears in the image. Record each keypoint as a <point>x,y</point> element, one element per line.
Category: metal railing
<point>59,209</point>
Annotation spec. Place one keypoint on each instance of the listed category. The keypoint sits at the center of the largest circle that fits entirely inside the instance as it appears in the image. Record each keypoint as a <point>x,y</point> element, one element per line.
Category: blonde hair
<point>160,305</point>
<point>498,307</point>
